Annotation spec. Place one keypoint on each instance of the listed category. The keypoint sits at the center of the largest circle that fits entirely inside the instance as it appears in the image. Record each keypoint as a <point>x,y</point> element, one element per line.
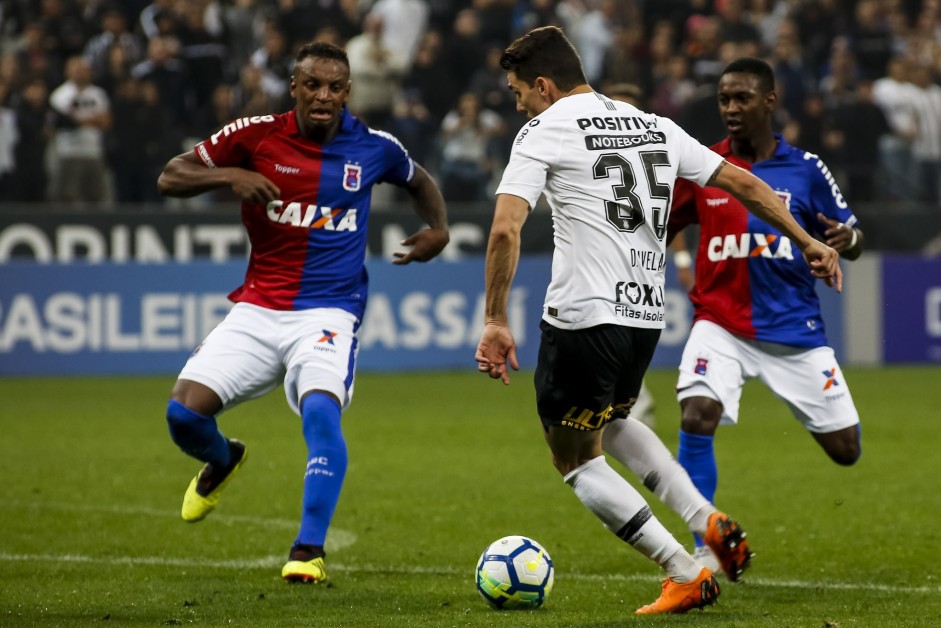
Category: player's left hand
<point>824,264</point>
<point>496,350</point>
<point>838,235</point>
<point>425,244</point>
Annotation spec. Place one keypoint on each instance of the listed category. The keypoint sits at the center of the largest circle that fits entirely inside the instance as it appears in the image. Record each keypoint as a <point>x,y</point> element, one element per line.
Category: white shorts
<point>716,364</point>
<point>254,349</point>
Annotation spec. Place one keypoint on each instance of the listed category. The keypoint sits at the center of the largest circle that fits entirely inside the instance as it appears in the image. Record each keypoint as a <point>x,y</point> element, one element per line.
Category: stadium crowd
<point>95,96</point>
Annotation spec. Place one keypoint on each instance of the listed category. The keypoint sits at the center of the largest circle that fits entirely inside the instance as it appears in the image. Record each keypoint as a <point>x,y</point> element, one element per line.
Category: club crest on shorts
<point>701,365</point>
<point>831,379</point>
<point>352,177</point>
<point>328,336</point>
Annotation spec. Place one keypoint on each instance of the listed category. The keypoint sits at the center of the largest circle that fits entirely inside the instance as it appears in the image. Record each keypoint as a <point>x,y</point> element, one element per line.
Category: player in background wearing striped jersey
<point>756,312</point>
<point>305,178</point>
<point>607,171</point>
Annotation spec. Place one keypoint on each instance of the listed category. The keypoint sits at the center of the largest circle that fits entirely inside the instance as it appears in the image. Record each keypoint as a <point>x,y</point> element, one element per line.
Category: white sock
<point>623,511</point>
<point>637,447</point>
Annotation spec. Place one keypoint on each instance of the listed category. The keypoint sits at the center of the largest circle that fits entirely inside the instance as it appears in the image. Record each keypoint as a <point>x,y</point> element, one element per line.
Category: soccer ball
<point>515,572</point>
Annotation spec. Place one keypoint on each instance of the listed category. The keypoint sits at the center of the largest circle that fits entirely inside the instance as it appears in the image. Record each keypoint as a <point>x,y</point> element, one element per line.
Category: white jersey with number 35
<point>607,170</point>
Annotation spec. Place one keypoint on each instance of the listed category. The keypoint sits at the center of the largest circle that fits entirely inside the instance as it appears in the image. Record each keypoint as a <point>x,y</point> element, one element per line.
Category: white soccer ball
<point>515,572</point>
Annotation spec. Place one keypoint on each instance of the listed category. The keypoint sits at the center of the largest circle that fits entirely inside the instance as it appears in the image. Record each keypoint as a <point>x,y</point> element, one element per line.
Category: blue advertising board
<point>104,319</point>
<point>911,321</point>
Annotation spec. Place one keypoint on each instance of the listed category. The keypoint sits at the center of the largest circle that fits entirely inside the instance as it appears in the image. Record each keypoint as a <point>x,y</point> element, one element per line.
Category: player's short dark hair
<point>322,50</point>
<point>546,52</point>
<point>757,67</point>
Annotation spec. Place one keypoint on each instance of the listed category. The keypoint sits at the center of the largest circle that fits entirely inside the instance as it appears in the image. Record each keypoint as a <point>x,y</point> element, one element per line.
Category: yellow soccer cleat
<point>728,542</point>
<point>306,572</point>
<point>680,597</point>
<point>202,495</point>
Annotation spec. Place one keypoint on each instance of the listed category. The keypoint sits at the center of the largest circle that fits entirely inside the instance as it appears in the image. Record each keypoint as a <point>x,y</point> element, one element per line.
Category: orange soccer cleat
<point>680,597</point>
<point>727,541</point>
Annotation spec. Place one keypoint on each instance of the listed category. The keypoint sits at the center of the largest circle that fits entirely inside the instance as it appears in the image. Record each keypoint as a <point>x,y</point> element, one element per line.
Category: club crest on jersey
<point>352,177</point>
<point>701,365</point>
<point>831,379</point>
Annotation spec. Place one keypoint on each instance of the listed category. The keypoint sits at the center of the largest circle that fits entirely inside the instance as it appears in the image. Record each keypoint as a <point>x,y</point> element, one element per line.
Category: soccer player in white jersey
<point>607,170</point>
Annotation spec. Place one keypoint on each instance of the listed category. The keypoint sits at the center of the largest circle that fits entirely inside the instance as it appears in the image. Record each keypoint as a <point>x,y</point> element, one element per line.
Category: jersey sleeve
<point>526,171</point>
<point>825,195</point>
<point>232,146</point>
<point>696,162</point>
<point>399,168</point>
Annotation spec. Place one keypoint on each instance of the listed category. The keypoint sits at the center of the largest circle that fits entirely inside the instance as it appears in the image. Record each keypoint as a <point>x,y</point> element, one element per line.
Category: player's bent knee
<point>320,414</point>
<point>700,415</point>
<point>843,447</point>
<point>191,431</point>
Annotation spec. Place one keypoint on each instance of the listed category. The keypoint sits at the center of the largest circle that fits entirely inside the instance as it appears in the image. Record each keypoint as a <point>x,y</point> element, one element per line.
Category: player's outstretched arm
<point>429,205</point>
<point>185,176</point>
<point>761,200</point>
<point>497,347</point>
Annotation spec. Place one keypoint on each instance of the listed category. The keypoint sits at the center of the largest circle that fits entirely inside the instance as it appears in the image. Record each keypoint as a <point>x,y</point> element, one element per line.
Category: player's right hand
<point>824,264</point>
<point>496,349</point>
<point>253,186</point>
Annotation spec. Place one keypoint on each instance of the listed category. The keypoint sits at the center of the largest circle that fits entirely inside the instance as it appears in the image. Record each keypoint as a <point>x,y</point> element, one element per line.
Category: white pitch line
<point>337,538</point>
<point>271,562</point>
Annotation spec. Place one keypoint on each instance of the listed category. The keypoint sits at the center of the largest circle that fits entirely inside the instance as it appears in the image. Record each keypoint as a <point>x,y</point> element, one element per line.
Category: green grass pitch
<point>441,465</point>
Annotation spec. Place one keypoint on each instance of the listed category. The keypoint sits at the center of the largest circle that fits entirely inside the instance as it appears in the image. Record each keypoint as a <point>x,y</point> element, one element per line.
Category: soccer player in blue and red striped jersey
<point>756,312</point>
<point>305,178</point>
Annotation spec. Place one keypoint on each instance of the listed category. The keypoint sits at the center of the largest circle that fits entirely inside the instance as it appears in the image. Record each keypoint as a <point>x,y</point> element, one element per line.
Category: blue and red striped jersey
<point>750,279</point>
<point>308,247</point>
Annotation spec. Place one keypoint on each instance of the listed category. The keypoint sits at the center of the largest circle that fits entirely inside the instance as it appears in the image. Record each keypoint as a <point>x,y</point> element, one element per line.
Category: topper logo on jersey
<point>328,336</point>
<point>311,216</point>
<point>740,246</point>
<point>237,125</point>
<point>352,177</point>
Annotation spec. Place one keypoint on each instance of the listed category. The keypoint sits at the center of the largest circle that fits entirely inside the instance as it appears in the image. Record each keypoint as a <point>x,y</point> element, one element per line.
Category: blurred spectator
<point>168,72</point>
<point>896,96</point>
<point>705,38</point>
<point>152,14</point>
<point>33,131</point>
<point>219,111</point>
<point>405,22</point>
<point>488,82</point>
<point>83,113</point>
<point>838,85</point>
<point>736,27</point>
<point>35,58</point>
<point>673,91</point>
<point>9,136</point>
<point>375,73</point>
<point>860,125</point>
<point>139,142</point>
<point>243,26</point>
<point>467,150</point>
<point>594,37</point>
<point>250,98</point>
<point>790,75</point>
<point>276,64</point>
<point>344,16</point>
<point>465,50</point>
<point>296,19</point>
<point>627,60</point>
<point>202,52</point>
<point>64,30</point>
<point>431,77</point>
<point>926,148</point>
<point>114,34</point>
<point>870,39</point>
<point>532,13</point>
<point>496,20</point>
<point>818,22</point>
<point>413,125</point>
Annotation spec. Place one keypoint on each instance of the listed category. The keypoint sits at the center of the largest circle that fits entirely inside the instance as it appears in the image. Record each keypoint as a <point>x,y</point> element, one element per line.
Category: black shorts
<point>587,377</point>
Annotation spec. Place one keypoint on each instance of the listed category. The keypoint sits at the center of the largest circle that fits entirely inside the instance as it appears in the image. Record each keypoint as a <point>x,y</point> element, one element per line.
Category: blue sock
<point>197,435</point>
<point>698,457</point>
<point>326,466</point>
